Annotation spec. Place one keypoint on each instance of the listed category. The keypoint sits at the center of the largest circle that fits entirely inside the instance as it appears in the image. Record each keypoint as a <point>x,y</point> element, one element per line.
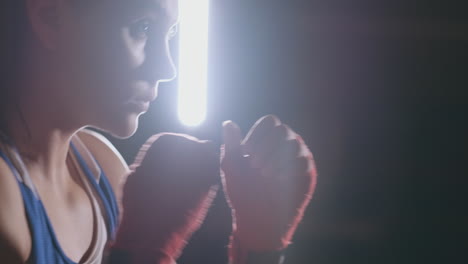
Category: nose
<point>159,66</point>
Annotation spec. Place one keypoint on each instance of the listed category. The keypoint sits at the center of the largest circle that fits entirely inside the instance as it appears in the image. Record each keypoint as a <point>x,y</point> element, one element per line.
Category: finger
<point>260,129</point>
<point>231,154</point>
<point>287,152</point>
<point>298,167</point>
<point>160,142</point>
<point>263,151</point>
<point>284,134</point>
<point>232,137</point>
<point>294,161</point>
<point>304,151</point>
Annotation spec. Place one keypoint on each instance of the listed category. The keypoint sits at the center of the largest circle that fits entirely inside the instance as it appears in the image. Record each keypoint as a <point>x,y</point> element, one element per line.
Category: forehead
<point>165,8</point>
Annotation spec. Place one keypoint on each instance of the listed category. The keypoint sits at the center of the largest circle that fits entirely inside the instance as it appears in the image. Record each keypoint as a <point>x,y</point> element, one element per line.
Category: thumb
<point>232,139</point>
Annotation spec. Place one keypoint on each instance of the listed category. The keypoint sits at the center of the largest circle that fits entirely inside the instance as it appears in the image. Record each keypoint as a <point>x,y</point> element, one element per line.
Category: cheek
<point>114,60</point>
<point>134,50</point>
<point>105,64</point>
<point>101,63</point>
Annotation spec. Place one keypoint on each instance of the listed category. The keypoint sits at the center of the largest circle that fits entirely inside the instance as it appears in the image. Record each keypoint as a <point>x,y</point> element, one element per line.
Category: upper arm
<point>110,160</point>
<point>15,238</point>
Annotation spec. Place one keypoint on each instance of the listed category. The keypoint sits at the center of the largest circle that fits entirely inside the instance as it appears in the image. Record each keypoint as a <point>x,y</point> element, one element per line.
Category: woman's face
<point>111,55</point>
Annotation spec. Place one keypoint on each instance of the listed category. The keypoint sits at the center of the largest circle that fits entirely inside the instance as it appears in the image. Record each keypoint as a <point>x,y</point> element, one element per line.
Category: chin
<point>122,128</point>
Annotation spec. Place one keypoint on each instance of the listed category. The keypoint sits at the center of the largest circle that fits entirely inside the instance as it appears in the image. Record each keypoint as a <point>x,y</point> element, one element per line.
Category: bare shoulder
<point>15,238</point>
<point>111,161</point>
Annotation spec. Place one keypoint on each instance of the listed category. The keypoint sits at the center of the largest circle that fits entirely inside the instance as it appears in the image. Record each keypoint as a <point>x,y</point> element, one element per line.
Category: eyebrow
<point>160,7</point>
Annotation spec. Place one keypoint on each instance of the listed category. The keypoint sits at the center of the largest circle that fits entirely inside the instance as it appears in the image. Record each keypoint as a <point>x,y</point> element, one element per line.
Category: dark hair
<point>15,32</point>
<point>14,29</point>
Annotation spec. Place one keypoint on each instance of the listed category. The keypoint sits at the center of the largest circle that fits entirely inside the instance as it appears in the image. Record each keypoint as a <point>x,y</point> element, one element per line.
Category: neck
<point>39,124</point>
<point>42,137</point>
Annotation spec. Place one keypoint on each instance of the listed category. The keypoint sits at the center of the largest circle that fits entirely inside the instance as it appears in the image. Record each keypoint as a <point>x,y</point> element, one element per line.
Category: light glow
<point>193,59</point>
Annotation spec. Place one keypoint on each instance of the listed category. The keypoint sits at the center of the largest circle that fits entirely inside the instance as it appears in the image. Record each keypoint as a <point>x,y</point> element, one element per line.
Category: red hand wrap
<point>167,196</point>
<point>268,202</point>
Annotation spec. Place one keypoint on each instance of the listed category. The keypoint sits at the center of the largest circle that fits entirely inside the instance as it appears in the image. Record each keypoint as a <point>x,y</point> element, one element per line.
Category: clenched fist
<point>269,178</point>
<point>167,196</point>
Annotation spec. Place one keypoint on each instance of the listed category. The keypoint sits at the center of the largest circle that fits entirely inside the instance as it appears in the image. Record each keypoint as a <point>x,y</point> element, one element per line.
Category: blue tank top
<point>45,247</point>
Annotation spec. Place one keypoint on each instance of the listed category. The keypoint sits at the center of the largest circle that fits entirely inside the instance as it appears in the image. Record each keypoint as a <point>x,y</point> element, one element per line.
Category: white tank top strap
<point>20,172</point>
<point>87,157</point>
<point>95,253</point>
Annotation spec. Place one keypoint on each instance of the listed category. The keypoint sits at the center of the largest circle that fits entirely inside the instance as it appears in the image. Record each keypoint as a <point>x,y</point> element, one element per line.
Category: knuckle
<point>270,120</point>
<point>305,151</point>
<point>302,166</point>
<point>273,118</point>
<point>303,162</point>
<point>175,138</point>
<point>290,133</point>
<point>281,131</point>
<point>154,138</point>
<point>165,137</point>
<point>204,147</point>
<point>293,145</point>
<point>173,145</point>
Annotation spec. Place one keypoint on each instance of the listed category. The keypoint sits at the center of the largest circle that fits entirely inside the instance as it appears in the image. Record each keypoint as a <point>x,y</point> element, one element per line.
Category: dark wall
<point>377,89</point>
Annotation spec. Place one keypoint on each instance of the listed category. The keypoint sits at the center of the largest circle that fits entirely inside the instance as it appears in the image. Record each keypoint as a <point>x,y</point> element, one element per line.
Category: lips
<point>142,98</point>
<point>146,97</point>
<point>137,106</point>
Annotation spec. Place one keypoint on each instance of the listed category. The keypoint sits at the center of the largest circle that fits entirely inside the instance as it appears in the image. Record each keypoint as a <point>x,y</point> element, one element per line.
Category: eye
<point>172,32</point>
<point>140,29</point>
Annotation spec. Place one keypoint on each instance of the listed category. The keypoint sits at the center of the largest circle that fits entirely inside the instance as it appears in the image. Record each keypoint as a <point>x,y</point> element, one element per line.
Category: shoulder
<point>15,238</point>
<point>109,158</point>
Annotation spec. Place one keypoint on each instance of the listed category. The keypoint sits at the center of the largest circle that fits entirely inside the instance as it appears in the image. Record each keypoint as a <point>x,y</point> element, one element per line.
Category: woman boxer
<point>72,64</point>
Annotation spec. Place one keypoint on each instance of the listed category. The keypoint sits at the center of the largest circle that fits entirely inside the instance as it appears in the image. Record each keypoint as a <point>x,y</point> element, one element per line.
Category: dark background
<point>377,89</point>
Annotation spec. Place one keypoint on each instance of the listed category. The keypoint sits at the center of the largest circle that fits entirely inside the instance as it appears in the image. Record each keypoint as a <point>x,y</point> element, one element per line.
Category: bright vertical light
<point>193,57</point>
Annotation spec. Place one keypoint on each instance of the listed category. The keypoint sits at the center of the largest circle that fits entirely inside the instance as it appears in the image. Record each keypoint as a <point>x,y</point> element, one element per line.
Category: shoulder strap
<point>103,188</point>
<point>13,159</point>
